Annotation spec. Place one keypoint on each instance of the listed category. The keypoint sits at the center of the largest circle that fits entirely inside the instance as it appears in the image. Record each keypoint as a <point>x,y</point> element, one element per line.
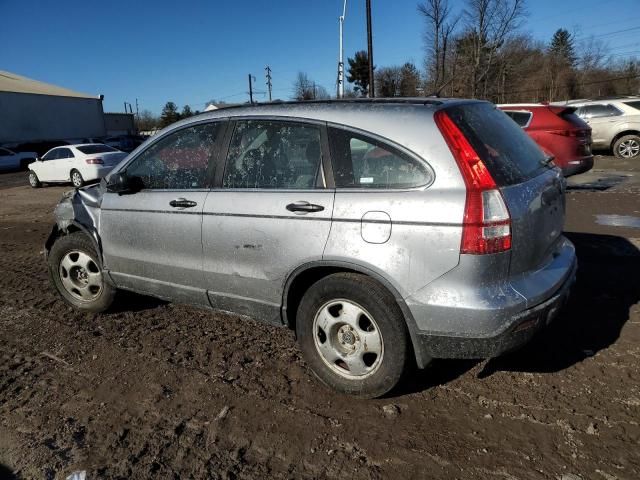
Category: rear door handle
<point>182,203</point>
<point>304,207</point>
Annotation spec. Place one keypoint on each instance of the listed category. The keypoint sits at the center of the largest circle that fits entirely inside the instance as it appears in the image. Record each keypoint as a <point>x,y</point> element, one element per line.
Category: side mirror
<point>121,183</point>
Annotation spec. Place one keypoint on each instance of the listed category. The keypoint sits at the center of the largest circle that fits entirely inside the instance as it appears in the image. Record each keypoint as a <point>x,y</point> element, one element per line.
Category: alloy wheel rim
<point>80,276</point>
<point>76,179</point>
<point>32,179</point>
<point>629,148</point>
<point>348,339</point>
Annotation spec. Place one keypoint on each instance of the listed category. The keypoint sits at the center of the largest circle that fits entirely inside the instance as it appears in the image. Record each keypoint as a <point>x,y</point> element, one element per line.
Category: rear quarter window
<point>508,152</point>
<point>521,118</point>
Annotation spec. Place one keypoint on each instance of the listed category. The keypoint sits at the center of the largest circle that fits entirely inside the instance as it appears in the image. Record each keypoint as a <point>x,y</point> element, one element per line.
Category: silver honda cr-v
<point>384,232</point>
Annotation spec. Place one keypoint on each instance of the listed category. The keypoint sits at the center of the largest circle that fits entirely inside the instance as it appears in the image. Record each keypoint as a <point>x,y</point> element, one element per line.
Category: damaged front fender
<point>78,210</point>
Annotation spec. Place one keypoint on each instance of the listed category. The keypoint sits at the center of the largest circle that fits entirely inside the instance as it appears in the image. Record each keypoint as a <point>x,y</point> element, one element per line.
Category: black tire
<point>96,299</point>
<point>33,180</point>
<point>375,301</point>
<point>627,147</point>
<point>76,178</point>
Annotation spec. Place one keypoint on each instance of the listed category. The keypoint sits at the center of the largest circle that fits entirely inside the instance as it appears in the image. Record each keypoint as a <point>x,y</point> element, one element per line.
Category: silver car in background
<point>614,122</point>
<point>384,232</point>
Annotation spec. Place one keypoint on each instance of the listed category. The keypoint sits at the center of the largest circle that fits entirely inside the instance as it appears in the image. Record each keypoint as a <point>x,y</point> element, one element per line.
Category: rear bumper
<point>490,320</point>
<point>579,165</point>
<point>518,331</point>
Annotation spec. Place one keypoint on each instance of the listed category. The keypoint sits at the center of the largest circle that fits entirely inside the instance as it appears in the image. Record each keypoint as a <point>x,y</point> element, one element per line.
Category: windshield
<point>91,149</point>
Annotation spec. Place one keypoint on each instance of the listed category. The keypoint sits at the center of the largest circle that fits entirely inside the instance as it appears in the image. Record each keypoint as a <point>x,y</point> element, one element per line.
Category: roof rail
<point>394,100</point>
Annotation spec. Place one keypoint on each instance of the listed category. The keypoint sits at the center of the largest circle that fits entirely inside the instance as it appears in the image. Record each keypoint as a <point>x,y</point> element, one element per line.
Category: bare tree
<point>441,24</point>
<point>490,23</point>
<point>303,87</point>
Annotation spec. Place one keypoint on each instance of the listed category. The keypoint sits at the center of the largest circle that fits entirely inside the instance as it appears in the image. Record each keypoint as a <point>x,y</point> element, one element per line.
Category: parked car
<point>10,160</point>
<point>614,122</point>
<point>382,231</point>
<point>74,163</point>
<point>558,131</point>
<point>126,143</point>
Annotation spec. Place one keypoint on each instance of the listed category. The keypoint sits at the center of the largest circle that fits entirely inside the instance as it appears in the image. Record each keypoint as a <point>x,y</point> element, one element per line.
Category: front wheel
<point>33,180</point>
<point>627,147</point>
<point>75,273</point>
<point>353,335</point>
<point>76,179</point>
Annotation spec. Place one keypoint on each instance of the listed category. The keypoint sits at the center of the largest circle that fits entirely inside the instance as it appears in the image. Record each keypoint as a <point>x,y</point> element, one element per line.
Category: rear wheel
<point>352,334</point>
<point>33,180</point>
<point>75,273</point>
<point>76,179</point>
<point>627,147</point>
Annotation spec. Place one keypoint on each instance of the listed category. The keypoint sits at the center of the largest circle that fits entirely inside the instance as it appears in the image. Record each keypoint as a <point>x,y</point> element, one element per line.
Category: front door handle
<point>182,203</point>
<point>304,207</point>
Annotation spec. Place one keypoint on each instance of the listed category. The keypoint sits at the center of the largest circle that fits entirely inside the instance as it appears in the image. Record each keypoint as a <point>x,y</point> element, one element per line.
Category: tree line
<point>478,51</point>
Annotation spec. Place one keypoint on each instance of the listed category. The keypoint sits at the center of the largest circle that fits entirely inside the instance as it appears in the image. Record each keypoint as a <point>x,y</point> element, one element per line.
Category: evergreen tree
<point>186,112</point>
<point>409,80</point>
<point>562,46</point>
<point>169,114</point>
<point>359,72</point>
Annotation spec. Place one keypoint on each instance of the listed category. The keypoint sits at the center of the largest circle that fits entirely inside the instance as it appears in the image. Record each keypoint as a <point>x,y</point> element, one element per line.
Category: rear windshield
<point>91,149</point>
<point>509,153</point>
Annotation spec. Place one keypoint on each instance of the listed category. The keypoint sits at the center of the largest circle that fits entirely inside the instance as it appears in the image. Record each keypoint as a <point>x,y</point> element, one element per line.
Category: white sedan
<point>10,160</point>
<point>74,163</point>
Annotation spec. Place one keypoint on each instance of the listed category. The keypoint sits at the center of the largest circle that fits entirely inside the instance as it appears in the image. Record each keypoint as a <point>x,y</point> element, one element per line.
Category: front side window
<point>52,154</point>
<point>178,161</point>
<point>274,155</point>
<point>362,162</point>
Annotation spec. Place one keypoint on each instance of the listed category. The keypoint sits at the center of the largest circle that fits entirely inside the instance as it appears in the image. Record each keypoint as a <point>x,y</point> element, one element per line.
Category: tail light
<point>486,226</point>
<point>94,161</point>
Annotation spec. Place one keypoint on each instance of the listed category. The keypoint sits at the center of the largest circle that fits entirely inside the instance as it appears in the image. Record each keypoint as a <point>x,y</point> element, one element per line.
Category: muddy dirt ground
<point>156,390</point>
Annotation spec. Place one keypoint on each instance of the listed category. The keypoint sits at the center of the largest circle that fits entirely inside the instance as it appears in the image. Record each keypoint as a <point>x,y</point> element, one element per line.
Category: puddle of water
<point>618,220</point>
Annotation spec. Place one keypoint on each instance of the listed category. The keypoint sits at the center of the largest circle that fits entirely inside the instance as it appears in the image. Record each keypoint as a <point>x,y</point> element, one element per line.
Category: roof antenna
<point>436,93</point>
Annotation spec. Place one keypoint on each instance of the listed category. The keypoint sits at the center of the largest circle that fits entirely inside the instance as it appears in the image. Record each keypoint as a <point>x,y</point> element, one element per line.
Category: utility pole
<point>137,111</point>
<point>250,89</point>
<point>268,69</point>
<point>340,93</point>
<point>372,90</point>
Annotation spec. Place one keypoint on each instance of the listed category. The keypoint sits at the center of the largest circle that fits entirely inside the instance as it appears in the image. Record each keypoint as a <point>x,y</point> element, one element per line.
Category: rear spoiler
<point>562,109</point>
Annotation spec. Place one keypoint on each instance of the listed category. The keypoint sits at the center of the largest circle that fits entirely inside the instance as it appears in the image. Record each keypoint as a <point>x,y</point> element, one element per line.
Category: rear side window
<point>363,162</point>
<point>634,104</point>
<point>275,155</point>
<point>521,118</point>
<point>597,111</point>
<point>91,149</point>
<point>509,153</point>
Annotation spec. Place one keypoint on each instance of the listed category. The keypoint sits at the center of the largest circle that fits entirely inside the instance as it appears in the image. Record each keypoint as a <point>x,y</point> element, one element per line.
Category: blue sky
<point>192,51</point>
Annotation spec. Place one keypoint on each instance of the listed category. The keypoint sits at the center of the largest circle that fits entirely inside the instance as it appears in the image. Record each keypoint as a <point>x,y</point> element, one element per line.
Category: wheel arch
<point>73,226</point>
<point>621,134</point>
<point>306,275</point>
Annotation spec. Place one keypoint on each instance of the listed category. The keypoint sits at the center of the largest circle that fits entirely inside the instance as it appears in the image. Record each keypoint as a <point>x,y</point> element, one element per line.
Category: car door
<point>47,168</point>
<point>64,164</point>
<point>270,214</point>
<point>152,239</point>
